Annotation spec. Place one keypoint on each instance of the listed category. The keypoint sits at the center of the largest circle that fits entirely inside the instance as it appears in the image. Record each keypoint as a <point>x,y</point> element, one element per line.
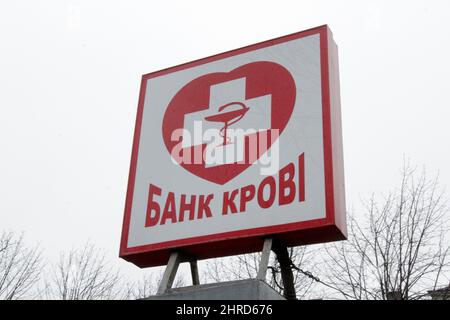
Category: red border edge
<point>331,228</point>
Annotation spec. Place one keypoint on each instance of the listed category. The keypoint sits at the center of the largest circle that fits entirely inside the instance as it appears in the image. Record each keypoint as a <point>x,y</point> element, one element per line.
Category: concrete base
<point>251,289</point>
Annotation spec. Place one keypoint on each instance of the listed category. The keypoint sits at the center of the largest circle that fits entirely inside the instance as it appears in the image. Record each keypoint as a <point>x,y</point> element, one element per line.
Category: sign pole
<point>285,266</point>
<point>194,272</point>
<point>269,245</point>
<point>265,255</point>
<point>169,273</point>
<point>286,271</point>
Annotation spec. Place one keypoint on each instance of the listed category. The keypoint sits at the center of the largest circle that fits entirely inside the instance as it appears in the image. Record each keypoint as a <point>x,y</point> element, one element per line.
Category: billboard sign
<point>237,147</point>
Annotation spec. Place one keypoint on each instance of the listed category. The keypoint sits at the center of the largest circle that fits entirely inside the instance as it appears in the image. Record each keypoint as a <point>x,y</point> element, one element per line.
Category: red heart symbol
<point>262,78</point>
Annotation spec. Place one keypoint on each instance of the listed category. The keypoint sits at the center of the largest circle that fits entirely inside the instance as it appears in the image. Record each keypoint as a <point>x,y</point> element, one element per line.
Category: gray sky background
<point>69,85</point>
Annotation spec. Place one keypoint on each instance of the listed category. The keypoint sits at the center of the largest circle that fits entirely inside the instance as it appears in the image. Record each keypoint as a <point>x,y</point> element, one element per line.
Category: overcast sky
<point>69,84</point>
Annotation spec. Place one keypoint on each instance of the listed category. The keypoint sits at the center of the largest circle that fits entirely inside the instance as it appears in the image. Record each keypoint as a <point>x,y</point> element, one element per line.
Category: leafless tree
<point>400,250</point>
<point>148,286</point>
<point>246,267</point>
<point>145,287</point>
<point>20,267</point>
<point>84,274</point>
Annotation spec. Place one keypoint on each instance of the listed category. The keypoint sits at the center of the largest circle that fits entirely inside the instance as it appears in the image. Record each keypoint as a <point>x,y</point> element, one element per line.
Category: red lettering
<point>190,207</point>
<point>169,209</point>
<point>247,194</point>
<point>199,206</point>
<point>152,206</point>
<point>228,202</point>
<point>286,183</point>
<point>301,177</point>
<point>203,206</point>
<point>268,181</point>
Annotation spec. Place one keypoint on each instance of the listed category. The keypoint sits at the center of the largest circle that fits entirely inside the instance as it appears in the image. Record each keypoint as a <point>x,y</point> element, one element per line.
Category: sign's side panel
<point>336,136</point>
<point>132,172</point>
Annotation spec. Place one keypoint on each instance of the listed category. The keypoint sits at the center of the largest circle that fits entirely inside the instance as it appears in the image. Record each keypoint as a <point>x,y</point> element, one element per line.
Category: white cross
<point>258,117</point>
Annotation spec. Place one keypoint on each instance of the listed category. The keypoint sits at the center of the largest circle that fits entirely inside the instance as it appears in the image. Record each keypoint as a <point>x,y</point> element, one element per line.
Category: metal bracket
<point>264,262</point>
<point>171,271</point>
<point>269,245</point>
<point>285,266</point>
<point>194,273</point>
<point>287,276</point>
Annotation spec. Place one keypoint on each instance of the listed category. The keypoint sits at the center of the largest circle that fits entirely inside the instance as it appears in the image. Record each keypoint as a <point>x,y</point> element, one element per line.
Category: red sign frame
<point>331,228</point>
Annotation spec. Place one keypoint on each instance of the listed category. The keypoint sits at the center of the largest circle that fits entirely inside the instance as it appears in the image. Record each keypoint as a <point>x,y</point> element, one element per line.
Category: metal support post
<point>286,271</point>
<point>194,272</point>
<point>169,273</point>
<point>264,263</point>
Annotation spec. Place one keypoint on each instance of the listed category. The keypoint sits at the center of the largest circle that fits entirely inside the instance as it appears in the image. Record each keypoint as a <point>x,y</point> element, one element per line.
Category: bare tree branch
<point>400,250</point>
<point>84,274</point>
<point>20,267</point>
